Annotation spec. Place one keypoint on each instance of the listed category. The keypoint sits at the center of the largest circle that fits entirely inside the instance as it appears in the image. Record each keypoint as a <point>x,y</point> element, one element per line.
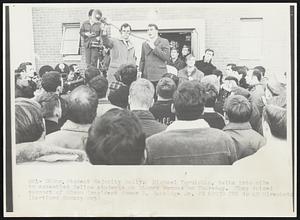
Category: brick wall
<point>222,29</point>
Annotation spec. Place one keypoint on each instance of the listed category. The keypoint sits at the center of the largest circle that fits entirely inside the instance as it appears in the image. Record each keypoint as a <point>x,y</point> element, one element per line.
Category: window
<point>70,40</point>
<point>251,38</point>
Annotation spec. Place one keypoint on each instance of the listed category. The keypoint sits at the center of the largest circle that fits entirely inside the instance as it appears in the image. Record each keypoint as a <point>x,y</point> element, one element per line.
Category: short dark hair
<point>232,66</point>
<point>241,91</point>
<point>125,25</point>
<point>261,69</point>
<point>28,120</point>
<point>50,81</point>
<point>211,50</point>
<point>238,109</point>
<point>100,85</point>
<point>189,100</point>
<point>276,117</point>
<point>83,103</point>
<point>90,12</point>
<point>175,48</point>
<point>257,74</point>
<point>127,74</point>
<point>90,73</point>
<point>165,88</point>
<point>44,69</point>
<point>48,102</point>
<point>242,70</point>
<point>153,25</point>
<point>71,67</point>
<point>116,138</point>
<point>22,66</point>
<point>173,77</point>
<point>211,93</point>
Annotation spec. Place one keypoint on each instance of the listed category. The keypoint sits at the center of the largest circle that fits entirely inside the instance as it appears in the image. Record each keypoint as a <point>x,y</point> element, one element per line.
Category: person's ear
<point>173,108</point>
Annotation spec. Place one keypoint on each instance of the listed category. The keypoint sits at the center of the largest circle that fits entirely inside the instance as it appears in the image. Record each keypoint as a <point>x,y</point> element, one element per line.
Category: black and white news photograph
<point>150,109</point>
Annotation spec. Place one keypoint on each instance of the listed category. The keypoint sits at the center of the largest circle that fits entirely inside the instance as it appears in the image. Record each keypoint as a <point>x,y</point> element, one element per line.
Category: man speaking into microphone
<point>155,55</point>
<point>91,32</point>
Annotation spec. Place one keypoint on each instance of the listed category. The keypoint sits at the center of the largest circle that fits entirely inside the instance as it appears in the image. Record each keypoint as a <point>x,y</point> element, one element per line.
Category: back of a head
<point>116,138</point>
<point>128,74</point>
<point>50,81</point>
<point>28,120</point>
<point>212,79</point>
<point>242,70</point>
<point>211,94</point>
<point>44,69</point>
<point>241,91</point>
<point>83,103</point>
<point>238,109</point>
<point>189,100</point>
<point>48,102</point>
<point>173,77</point>
<point>90,73</point>
<point>165,88</point>
<point>100,85</point>
<point>276,117</point>
<point>141,93</point>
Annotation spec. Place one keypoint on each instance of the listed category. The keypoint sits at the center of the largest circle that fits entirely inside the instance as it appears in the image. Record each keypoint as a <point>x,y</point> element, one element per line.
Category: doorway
<point>178,38</point>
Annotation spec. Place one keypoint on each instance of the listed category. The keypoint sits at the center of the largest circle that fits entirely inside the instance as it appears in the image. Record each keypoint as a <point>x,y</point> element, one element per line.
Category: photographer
<point>91,32</point>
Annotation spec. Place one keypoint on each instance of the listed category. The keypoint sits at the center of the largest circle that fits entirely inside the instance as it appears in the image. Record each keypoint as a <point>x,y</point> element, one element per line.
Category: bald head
<point>83,103</point>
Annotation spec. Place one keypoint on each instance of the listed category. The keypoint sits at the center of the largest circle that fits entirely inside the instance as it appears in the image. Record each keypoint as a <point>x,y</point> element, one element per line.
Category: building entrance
<point>177,39</point>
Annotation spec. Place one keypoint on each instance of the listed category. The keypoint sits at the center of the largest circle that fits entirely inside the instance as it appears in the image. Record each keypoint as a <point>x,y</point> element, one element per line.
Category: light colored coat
<point>120,54</point>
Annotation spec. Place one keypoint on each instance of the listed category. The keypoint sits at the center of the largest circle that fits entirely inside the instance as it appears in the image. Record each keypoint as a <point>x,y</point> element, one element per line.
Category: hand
<point>98,38</point>
<point>88,34</point>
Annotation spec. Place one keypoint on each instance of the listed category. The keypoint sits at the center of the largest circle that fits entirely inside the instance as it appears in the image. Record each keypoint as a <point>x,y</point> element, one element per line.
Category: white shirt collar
<point>180,124</point>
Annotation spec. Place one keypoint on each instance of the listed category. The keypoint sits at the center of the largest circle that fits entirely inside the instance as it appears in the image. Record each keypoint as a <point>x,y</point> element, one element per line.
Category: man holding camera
<point>91,32</point>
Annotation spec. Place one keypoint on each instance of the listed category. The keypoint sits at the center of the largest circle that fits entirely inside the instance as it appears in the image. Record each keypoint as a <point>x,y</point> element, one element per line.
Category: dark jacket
<point>149,124</point>
<point>51,126</point>
<point>204,146</point>
<point>26,91</point>
<point>257,92</point>
<point>161,111</point>
<point>247,141</point>
<point>153,61</point>
<point>206,68</point>
<point>214,119</point>
<point>178,64</point>
<point>87,27</point>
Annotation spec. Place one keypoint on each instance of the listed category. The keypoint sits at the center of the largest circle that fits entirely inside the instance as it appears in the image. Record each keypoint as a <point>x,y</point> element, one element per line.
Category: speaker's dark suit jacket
<point>153,61</point>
